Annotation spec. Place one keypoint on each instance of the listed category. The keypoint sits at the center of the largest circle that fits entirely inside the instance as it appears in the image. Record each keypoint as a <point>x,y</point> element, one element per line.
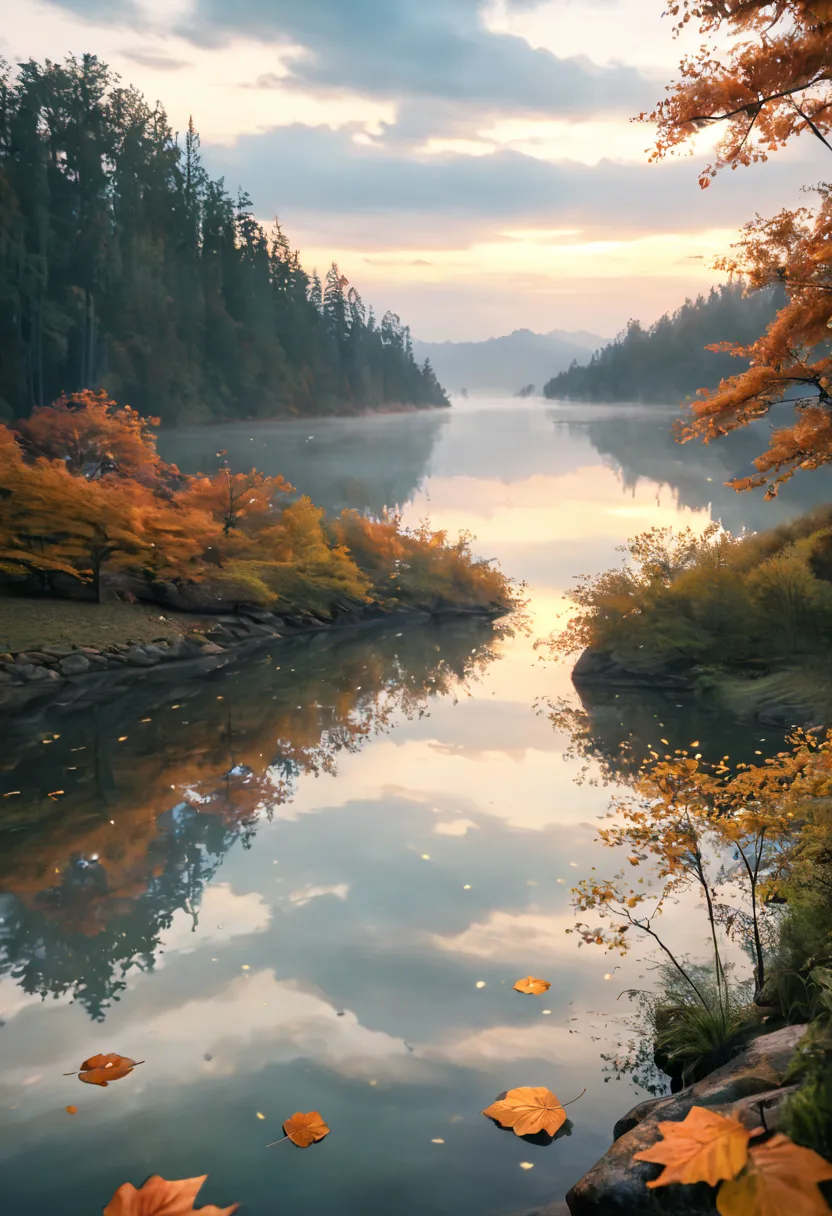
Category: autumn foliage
<point>84,496</point>
<point>763,76</point>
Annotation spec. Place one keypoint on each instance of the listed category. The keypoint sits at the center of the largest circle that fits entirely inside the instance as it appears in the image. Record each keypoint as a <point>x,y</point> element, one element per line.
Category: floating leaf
<point>704,1147</point>
<point>780,1180</point>
<point>532,986</point>
<point>304,1130</point>
<point>158,1197</point>
<point>72,1110</point>
<point>528,1110</point>
<point>102,1069</point>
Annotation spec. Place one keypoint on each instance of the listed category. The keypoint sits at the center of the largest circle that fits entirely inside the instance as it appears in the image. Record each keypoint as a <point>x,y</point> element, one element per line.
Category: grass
<point>28,623</point>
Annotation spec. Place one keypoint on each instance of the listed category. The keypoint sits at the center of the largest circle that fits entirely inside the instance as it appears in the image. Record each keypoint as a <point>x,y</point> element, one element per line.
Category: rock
<point>29,657</point>
<point>615,1186</point>
<point>599,667</point>
<point>58,652</point>
<point>211,648</point>
<point>6,657</point>
<point>89,650</point>
<point>635,1116</point>
<point>5,678</point>
<point>99,660</point>
<point>74,665</point>
<point>137,656</point>
<point>155,652</point>
<point>33,674</point>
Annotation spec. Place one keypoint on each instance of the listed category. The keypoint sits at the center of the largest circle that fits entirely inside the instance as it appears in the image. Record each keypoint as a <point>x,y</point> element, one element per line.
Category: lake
<point>310,881</point>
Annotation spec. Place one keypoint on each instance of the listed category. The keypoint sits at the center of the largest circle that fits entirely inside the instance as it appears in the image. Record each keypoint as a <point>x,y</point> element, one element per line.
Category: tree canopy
<point>672,358</point>
<point>767,81</point>
<point>125,267</point>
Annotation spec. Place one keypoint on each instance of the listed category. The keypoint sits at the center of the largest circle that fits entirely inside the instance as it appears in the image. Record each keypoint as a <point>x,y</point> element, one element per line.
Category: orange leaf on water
<point>528,1110</point>
<point>304,1130</point>
<point>102,1069</point>
<point>704,1147</point>
<point>532,986</point>
<point>158,1197</point>
<point>780,1180</point>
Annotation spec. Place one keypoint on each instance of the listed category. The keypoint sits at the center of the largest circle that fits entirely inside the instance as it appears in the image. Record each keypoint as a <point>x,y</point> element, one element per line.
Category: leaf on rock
<point>532,986</point>
<point>780,1180</point>
<point>102,1069</point>
<point>528,1110</point>
<point>158,1197</point>
<point>704,1147</point>
<point>304,1130</point>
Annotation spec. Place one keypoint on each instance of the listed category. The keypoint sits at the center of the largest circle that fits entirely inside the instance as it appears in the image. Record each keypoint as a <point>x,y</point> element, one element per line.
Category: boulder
<point>600,667</point>
<point>615,1186</point>
<point>74,665</point>
<point>137,656</point>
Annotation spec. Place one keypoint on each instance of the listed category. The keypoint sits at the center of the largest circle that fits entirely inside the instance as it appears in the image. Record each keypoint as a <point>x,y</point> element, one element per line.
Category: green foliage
<point>692,1038</point>
<point>123,266</point>
<point>690,602</point>
<point>809,1113</point>
<point>670,360</point>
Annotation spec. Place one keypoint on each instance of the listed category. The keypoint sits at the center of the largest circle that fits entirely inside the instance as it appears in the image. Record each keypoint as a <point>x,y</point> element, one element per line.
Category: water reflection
<point>155,790</point>
<point>639,443</point>
<point>366,464</point>
<point>270,934</point>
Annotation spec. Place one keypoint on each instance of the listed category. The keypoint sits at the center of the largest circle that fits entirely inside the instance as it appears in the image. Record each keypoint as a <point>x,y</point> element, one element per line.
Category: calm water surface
<point>310,883</point>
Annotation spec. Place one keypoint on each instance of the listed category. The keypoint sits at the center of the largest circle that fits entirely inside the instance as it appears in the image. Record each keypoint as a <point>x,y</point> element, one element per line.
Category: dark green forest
<point>669,360</point>
<point>125,267</point>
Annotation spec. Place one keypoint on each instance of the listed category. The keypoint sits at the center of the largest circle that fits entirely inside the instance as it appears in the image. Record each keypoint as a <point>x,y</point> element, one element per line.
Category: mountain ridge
<point>505,363</point>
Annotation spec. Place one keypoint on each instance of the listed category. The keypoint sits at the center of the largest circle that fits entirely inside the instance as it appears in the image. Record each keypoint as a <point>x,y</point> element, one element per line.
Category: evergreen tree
<point>670,360</point>
<point>125,267</point>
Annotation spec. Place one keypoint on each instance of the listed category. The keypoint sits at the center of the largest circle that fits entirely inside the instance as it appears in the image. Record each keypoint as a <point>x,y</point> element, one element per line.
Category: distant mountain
<point>504,365</point>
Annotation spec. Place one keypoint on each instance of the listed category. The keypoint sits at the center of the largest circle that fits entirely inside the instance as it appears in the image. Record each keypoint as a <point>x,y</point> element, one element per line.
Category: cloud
<point>161,63</point>
<point>437,48</point>
<point>345,187</point>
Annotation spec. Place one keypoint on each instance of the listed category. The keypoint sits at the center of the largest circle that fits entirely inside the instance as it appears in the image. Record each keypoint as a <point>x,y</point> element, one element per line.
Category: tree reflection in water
<point>124,813</point>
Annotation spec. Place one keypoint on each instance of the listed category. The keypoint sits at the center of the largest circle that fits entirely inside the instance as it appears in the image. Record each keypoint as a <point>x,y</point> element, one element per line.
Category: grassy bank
<point>28,623</point>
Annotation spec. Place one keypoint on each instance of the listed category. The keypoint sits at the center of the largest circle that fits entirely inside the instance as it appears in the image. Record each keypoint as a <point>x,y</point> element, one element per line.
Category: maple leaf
<point>528,1110</point>
<point>704,1147</point>
<point>532,986</point>
<point>780,1180</point>
<point>102,1069</point>
<point>304,1130</point>
<point>159,1197</point>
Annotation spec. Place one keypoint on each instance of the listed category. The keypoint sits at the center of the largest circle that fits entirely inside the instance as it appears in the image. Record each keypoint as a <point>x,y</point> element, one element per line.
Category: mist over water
<point>309,882</point>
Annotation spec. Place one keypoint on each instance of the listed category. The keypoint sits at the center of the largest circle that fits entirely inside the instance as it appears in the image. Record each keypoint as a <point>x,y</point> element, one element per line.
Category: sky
<point>470,164</point>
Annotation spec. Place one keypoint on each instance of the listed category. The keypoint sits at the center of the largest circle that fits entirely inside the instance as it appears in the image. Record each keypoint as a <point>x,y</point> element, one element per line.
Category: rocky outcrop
<point>750,1087</point>
<point>602,667</point>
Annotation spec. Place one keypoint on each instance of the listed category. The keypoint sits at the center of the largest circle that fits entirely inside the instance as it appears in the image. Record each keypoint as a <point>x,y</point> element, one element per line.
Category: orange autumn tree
<point>94,437</point>
<point>691,825</point>
<point>771,83</point>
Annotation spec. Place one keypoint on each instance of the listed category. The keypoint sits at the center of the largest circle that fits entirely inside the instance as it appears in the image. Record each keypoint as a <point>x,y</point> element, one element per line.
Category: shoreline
<point>74,675</point>
<point>600,669</point>
<point>387,410</point>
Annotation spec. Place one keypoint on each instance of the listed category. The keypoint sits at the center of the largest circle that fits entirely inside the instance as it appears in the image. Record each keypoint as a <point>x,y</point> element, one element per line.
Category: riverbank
<point>72,653</point>
<point>792,696</point>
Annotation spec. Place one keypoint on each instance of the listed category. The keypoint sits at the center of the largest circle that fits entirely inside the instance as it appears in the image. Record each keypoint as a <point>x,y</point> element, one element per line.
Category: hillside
<point>503,365</point>
<point>124,267</point>
<point>669,360</point>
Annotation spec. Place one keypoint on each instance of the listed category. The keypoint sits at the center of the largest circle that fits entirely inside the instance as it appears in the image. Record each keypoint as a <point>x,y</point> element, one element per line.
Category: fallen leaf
<point>158,1197</point>
<point>528,1110</point>
<point>304,1130</point>
<point>780,1180</point>
<point>532,986</point>
<point>704,1147</point>
<point>102,1069</point>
